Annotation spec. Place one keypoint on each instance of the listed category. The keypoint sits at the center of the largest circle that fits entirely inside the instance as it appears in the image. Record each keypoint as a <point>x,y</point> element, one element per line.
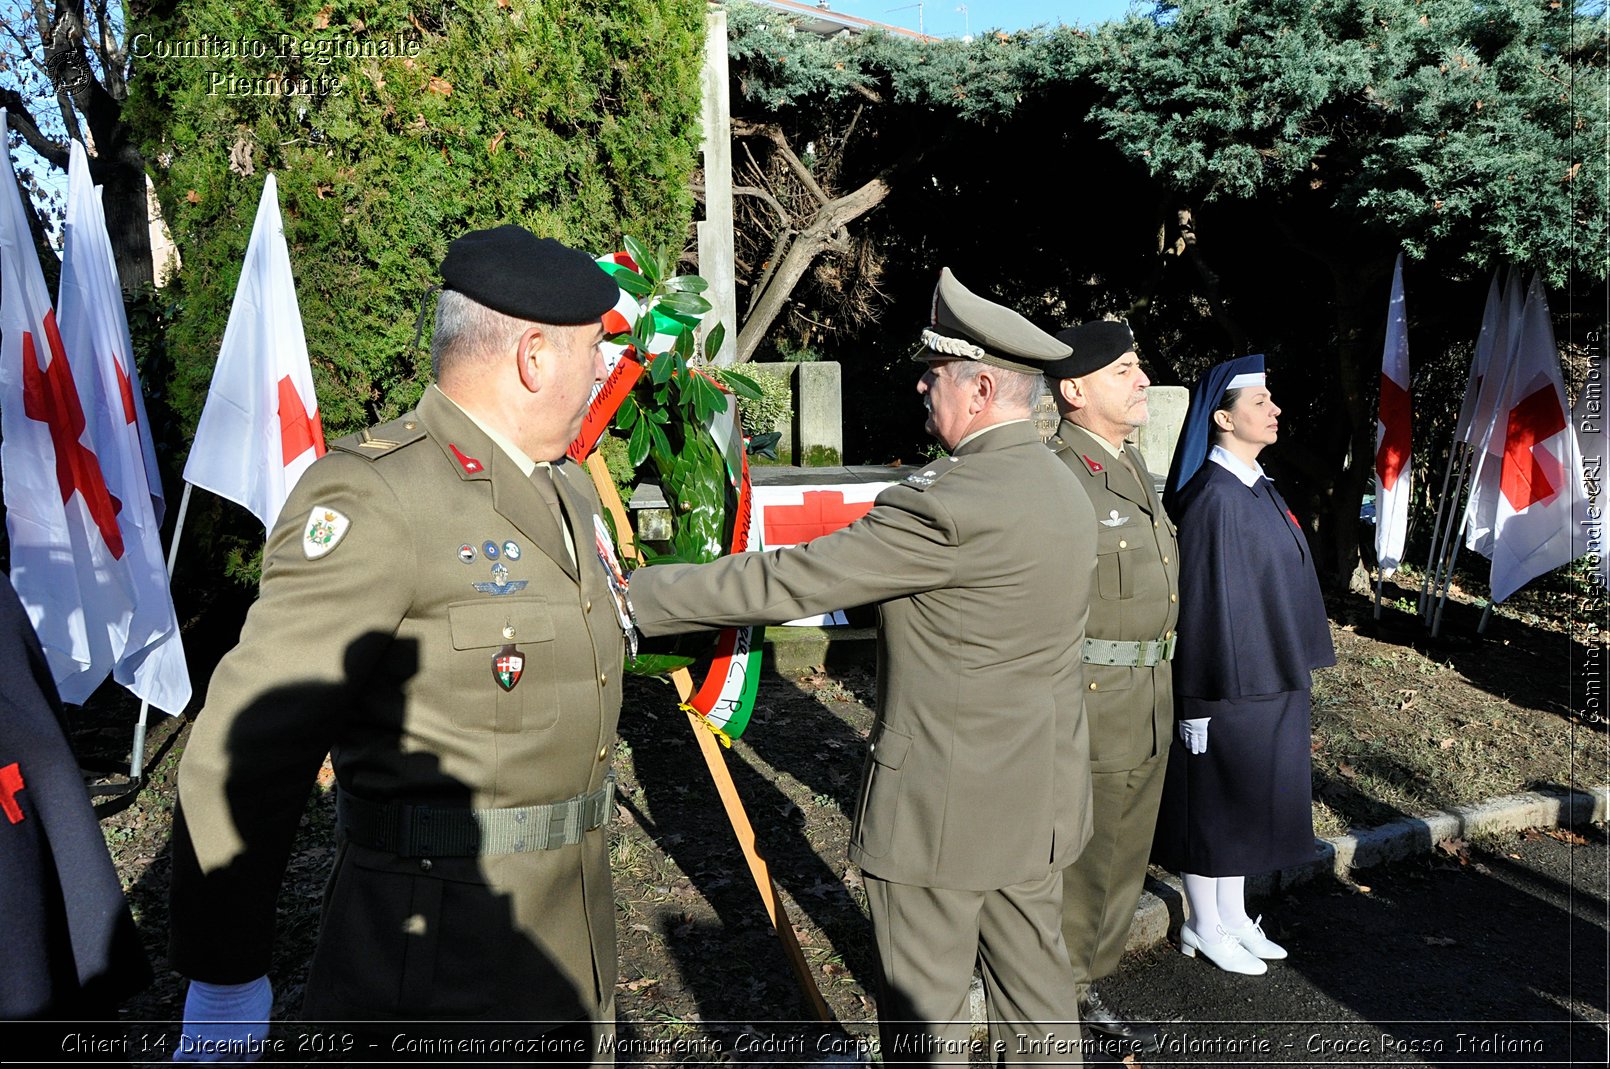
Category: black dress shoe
<point>1104,1021</point>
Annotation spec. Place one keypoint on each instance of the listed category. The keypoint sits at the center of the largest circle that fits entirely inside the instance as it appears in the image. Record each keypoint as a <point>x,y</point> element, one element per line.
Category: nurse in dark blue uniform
<point>1236,797</point>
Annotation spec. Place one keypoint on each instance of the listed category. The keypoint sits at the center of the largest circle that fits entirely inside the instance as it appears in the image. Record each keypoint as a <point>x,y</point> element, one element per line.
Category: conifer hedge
<point>393,127</point>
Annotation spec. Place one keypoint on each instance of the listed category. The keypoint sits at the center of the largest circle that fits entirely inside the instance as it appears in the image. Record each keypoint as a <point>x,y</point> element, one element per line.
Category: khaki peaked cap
<point>965,326</point>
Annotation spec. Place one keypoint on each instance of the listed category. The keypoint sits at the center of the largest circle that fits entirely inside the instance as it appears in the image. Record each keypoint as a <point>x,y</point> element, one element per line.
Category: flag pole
<point>137,753</point>
<point>1454,456</point>
<point>1447,552</point>
<point>1447,578</point>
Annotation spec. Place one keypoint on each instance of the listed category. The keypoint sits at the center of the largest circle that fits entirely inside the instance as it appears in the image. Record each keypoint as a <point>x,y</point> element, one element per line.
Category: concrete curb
<point>1162,904</point>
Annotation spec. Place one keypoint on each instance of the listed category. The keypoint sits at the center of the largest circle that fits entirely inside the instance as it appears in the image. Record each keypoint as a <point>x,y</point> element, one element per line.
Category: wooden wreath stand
<point>758,869</point>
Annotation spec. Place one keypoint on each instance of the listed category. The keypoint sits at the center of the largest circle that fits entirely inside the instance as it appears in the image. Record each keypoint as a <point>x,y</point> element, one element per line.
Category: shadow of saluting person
<point>414,937</point>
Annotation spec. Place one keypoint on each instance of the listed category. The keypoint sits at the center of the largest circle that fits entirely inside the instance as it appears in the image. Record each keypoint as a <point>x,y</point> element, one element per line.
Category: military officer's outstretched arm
<point>905,545</point>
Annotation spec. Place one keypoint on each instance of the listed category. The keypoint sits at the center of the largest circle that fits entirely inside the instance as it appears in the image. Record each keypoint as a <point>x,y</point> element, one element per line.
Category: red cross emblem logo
<point>10,783</point>
<point>819,512</point>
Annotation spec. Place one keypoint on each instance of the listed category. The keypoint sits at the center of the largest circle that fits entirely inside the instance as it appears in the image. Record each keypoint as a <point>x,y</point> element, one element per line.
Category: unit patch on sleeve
<point>323,531</point>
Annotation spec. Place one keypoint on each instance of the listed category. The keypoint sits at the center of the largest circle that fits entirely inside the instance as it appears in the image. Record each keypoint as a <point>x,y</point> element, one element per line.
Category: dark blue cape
<point>68,944</point>
<point>1252,620</point>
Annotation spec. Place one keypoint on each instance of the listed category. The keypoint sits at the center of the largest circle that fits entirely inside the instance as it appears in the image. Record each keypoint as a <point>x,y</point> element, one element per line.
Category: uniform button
<point>603,752</point>
<point>1122,544</point>
<point>424,864</point>
<point>603,680</point>
<point>409,425</point>
<point>1173,597</point>
<point>508,630</point>
<point>1165,560</point>
<point>588,606</point>
<point>1154,523</point>
<point>1092,686</point>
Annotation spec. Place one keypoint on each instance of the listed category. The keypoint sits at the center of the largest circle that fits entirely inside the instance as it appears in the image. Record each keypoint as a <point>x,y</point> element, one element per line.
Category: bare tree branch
<point>21,120</point>
<point>783,218</point>
<point>779,140</point>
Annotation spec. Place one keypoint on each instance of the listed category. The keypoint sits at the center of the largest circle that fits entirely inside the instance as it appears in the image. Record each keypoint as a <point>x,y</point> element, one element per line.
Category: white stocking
<point>1201,894</point>
<point>1232,894</point>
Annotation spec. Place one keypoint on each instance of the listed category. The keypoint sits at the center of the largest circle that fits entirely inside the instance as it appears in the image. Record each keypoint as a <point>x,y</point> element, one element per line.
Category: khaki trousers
<point>929,939</point>
<point>1101,889</point>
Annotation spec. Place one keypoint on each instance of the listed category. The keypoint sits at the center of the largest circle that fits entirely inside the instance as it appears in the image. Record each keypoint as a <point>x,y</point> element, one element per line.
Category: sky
<point>955,18</point>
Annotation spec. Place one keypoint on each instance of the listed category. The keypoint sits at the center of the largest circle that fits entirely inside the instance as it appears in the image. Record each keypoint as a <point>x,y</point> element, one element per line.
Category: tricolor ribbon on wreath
<point>683,422</point>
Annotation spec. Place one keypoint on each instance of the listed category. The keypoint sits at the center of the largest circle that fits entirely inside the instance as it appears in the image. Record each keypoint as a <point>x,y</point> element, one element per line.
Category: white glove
<point>225,1022</point>
<point>1193,733</point>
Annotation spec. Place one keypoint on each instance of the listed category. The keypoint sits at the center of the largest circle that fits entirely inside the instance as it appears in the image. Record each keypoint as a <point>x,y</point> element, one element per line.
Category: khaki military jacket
<point>977,771</point>
<point>1136,598</point>
<point>403,562</point>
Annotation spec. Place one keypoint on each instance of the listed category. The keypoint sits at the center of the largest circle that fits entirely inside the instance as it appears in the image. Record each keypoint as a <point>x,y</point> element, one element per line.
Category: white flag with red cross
<point>1540,499</point>
<point>131,608</point>
<point>1485,432</point>
<point>61,519</point>
<point>1393,473</point>
<point>260,428</point>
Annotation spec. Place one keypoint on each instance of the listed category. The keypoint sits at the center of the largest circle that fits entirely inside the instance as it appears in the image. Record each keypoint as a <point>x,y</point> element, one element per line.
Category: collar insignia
<point>470,465</point>
<point>1095,469</point>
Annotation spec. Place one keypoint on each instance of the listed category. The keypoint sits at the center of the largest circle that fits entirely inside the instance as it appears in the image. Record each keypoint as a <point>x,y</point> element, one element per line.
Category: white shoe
<point>1226,951</point>
<point>1251,936</point>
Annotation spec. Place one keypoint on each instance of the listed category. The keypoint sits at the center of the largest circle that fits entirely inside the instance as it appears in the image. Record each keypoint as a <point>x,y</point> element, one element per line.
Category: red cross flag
<point>791,515</point>
<point>1392,471</point>
<point>1485,431</point>
<point>260,428</point>
<point>60,517</point>
<point>1540,500</point>
<point>128,606</point>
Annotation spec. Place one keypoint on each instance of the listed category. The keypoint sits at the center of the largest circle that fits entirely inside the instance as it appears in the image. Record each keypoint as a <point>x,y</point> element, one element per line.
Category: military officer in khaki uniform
<point>975,794</point>
<point>433,615</point>
<point>1129,700</point>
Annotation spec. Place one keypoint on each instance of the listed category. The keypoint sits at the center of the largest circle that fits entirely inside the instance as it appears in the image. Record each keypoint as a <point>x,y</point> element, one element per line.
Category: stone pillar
<point>715,229</point>
<point>1166,406</point>
<point>819,414</point>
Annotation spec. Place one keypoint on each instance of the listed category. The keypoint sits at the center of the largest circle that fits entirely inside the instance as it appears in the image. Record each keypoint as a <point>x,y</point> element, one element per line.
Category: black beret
<point>511,270</point>
<point>1095,345</point>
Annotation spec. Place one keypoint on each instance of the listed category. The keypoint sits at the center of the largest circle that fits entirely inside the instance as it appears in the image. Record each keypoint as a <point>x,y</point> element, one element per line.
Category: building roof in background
<point>819,19</point>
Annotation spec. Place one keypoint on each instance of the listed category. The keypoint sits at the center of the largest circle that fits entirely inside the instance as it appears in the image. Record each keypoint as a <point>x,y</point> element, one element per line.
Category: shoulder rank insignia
<point>1094,467</point>
<point>922,480</point>
<point>1114,520</point>
<point>383,438</point>
<point>470,465</point>
<point>324,530</point>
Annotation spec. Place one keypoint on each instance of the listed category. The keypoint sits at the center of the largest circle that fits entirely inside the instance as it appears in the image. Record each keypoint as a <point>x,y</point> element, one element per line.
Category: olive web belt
<point>1129,654</point>
<point>453,831</point>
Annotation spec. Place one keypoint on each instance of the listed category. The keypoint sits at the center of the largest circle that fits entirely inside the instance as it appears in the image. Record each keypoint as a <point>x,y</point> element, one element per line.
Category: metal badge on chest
<point>508,663</point>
